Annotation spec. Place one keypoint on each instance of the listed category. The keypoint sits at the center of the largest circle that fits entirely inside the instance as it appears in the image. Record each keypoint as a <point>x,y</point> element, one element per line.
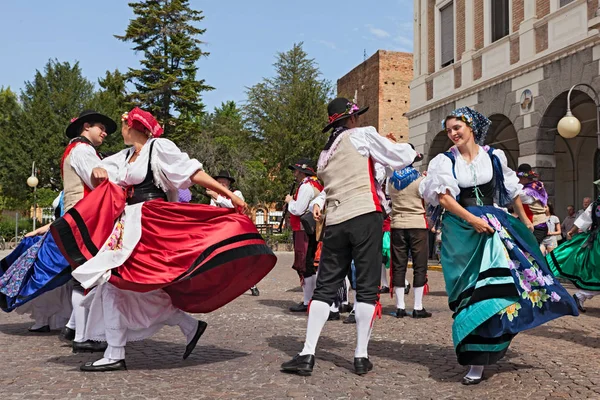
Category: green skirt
<point>578,260</point>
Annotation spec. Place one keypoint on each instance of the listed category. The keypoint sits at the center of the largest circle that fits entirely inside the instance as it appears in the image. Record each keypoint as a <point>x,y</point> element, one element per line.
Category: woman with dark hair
<point>497,280</point>
<point>551,241</point>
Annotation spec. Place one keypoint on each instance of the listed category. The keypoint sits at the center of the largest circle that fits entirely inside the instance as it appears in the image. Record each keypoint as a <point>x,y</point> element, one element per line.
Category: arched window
<point>260,217</point>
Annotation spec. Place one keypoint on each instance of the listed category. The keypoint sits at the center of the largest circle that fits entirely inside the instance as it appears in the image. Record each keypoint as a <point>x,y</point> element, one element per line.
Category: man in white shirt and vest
<point>409,235</point>
<point>305,244</point>
<point>353,226</point>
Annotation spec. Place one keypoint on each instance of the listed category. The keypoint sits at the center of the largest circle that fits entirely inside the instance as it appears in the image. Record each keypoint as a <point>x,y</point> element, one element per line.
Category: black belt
<point>141,197</point>
<point>472,201</point>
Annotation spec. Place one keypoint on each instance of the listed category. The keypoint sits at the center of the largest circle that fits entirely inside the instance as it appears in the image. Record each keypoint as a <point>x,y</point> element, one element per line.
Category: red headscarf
<point>142,121</point>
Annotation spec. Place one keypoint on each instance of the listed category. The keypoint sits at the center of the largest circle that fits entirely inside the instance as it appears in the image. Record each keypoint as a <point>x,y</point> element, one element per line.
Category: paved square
<point>239,356</point>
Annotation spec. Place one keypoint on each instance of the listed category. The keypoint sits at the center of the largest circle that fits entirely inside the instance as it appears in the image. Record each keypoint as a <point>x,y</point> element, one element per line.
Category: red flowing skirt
<point>202,256</point>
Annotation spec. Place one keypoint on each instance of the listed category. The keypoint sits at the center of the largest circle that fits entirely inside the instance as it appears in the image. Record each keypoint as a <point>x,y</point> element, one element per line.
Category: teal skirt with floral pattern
<point>498,285</point>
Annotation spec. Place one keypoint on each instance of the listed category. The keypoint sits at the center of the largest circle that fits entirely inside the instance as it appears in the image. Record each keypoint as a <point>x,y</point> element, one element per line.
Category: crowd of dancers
<point>129,254</point>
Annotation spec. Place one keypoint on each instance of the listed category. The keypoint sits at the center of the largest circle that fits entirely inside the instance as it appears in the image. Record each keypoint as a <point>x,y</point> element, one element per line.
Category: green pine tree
<point>166,32</point>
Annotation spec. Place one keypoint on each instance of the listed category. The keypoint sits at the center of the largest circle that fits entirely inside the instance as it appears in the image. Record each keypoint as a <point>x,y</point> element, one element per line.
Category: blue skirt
<point>36,266</point>
<point>498,285</point>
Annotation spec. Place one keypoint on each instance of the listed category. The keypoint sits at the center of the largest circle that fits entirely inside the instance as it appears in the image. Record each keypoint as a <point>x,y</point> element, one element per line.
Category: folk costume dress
<point>34,276</point>
<point>498,285</point>
<point>578,259</point>
<point>159,256</point>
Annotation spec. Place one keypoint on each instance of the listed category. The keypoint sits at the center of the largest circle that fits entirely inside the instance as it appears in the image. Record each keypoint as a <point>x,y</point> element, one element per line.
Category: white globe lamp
<point>569,126</point>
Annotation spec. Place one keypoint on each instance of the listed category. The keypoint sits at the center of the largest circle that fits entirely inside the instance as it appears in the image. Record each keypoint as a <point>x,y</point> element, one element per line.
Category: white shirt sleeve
<point>380,173</point>
<point>439,179</point>
<point>300,205</point>
<point>225,202</point>
<point>114,164</point>
<point>318,200</point>
<point>370,143</point>
<point>83,160</point>
<point>511,180</point>
<point>584,221</point>
<point>176,165</point>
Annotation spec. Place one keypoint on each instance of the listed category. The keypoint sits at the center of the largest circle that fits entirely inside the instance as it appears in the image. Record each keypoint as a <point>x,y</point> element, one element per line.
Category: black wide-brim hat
<point>90,116</point>
<point>305,166</point>
<point>224,175</point>
<point>340,109</point>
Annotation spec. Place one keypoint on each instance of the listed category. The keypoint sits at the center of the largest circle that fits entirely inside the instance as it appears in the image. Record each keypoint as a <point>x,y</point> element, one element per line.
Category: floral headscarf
<point>477,121</point>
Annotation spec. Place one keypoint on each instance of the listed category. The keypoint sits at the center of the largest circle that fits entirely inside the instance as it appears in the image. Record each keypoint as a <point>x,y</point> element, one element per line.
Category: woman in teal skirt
<point>578,260</point>
<point>497,280</point>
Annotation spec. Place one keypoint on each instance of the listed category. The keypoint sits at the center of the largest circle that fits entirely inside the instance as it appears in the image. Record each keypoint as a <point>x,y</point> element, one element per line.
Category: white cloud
<point>380,33</point>
<point>326,43</point>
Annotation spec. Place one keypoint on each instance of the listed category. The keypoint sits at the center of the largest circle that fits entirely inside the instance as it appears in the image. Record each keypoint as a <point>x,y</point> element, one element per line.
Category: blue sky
<point>242,37</point>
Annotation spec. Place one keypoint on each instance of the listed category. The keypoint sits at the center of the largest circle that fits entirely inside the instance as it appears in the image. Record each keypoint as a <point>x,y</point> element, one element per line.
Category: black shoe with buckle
<point>116,366</point>
<point>580,306</point>
<point>254,291</point>
<point>421,313</point>
<point>407,289</point>
<point>67,334</point>
<point>301,365</point>
<point>400,313</point>
<point>334,316</point>
<point>345,308</point>
<point>192,344</point>
<point>350,319</point>
<point>362,365</point>
<point>42,329</point>
<point>89,346</point>
<point>384,289</point>
<point>471,381</point>
<point>300,307</point>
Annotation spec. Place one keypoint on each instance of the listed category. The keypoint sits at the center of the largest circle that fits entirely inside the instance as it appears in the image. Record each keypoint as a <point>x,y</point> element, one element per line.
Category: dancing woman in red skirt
<point>149,260</point>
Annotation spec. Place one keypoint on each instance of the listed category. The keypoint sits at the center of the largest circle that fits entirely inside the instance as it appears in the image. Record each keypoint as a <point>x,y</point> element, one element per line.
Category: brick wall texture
<point>542,8</point>
<point>460,28</point>
<point>477,68</point>
<point>431,36</point>
<point>514,51</point>
<point>592,7</point>
<point>541,38</point>
<point>518,13</point>
<point>457,76</point>
<point>478,13</point>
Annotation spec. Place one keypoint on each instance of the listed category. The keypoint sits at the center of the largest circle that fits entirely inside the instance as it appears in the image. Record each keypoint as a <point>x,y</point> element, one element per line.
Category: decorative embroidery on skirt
<point>115,241</point>
<point>11,281</point>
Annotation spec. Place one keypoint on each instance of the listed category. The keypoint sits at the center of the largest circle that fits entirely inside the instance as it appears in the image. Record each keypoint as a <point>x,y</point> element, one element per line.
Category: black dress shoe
<point>67,334</point>
<point>421,313</point>
<point>334,316</point>
<point>301,365</point>
<point>89,346</point>
<point>344,308</point>
<point>400,313</point>
<point>350,319</point>
<point>580,306</point>
<point>384,289</point>
<point>254,291</point>
<point>43,329</point>
<point>192,344</point>
<point>471,381</point>
<point>407,289</point>
<point>362,365</point>
<point>116,366</point>
<point>300,307</point>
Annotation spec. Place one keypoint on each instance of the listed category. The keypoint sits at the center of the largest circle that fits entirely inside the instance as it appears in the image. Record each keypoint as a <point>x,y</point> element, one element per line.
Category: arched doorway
<point>503,136</point>
<point>574,172</point>
<point>440,144</point>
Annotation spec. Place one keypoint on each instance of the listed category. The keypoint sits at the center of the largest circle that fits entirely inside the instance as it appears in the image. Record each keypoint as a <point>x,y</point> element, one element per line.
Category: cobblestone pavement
<point>239,356</point>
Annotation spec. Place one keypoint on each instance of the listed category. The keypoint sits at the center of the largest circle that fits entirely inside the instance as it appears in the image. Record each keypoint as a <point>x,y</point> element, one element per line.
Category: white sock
<point>384,278</point>
<point>347,291</point>
<point>418,297</point>
<point>317,317</point>
<point>364,315</point>
<point>406,283</point>
<point>104,361</point>
<point>114,353</point>
<point>71,323</point>
<point>333,308</point>
<point>309,288</point>
<point>399,294</point>
<point>476,372</point>
<point>80,314</point>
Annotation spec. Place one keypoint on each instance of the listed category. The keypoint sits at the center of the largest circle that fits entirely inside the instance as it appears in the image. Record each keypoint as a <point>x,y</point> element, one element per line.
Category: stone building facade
<point>514,61</point>
<point>382,82</point>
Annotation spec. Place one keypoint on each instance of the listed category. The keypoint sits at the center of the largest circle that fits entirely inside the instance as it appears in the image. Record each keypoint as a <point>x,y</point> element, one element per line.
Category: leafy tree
<point>287,113</point>
<point>165,32</point>
<point>48,103</point>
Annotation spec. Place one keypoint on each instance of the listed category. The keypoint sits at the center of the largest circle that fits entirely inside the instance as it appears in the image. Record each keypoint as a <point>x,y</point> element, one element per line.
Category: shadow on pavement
<point>282,304</point>
<point>158,355</point>
<point>572,335</point>
<point>20,329</point>
<point>440,360</point>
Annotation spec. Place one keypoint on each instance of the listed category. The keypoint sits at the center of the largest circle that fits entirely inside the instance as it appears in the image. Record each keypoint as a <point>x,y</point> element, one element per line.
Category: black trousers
<point>415,242</point>
<point>358,239</point>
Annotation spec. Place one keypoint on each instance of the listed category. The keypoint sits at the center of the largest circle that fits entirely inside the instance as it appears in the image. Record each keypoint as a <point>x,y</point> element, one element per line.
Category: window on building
<point>500,19</point>
<point>565,2</point>
<point>447,34</point>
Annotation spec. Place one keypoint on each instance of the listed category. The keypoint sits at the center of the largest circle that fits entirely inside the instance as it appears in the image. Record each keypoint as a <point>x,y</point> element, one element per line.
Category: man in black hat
<point>354,226</point>
<point>305,243</point>
<point>225,179</point>
<point>86,132</point>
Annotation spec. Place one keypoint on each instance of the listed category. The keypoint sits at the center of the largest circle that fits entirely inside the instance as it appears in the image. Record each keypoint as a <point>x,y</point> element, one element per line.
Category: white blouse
<point>584,221</point>
<point>171,167</point>
<point>479,171</point>
<point>224,201</point>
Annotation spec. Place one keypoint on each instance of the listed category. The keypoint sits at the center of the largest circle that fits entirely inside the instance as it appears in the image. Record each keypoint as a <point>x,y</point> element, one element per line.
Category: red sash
<point>295,219</point>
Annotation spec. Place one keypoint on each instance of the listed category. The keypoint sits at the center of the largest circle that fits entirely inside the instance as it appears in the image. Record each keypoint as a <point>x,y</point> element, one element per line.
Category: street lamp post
<point>32,182</point>
<point>569,126</point>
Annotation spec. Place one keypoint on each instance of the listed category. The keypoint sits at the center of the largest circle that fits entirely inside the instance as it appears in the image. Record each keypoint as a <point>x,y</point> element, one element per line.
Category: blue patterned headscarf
<point>477,121</point>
